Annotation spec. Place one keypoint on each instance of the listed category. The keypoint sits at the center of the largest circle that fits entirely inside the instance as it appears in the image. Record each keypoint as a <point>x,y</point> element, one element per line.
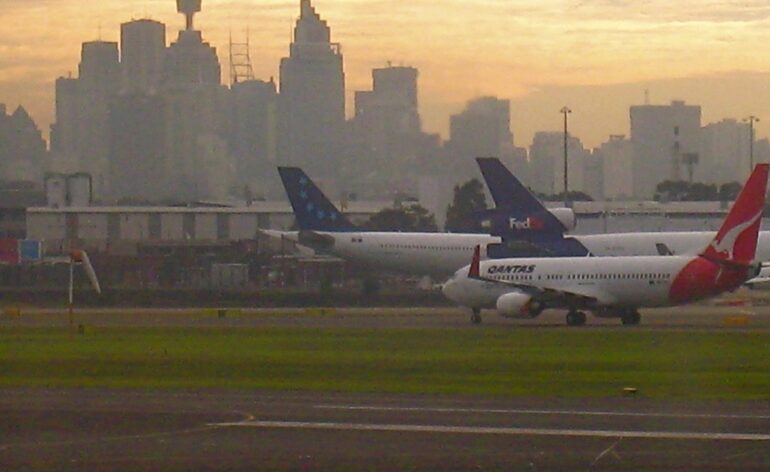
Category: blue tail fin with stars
<point>313,210</point>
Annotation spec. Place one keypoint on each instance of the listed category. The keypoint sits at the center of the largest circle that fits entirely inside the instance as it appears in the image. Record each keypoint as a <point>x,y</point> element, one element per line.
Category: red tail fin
<point>736,240</point>
<point>474,270</point>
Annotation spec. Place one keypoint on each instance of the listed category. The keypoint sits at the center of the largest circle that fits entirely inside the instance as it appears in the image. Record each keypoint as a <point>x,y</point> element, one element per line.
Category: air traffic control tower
<point>189,8</point>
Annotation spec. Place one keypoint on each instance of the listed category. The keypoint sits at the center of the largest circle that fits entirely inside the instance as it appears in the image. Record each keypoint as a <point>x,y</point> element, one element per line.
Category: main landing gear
<point>576,318</point>
<point>476,316</point>
<point>630,317</point>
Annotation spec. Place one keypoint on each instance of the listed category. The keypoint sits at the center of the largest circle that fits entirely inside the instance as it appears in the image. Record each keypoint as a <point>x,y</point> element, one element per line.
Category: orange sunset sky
<point>597,56</point>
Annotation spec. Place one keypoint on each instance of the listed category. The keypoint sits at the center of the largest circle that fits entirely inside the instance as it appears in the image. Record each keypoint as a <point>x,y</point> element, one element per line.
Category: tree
<point>409,218</point>
<point>729,191</point>
<point>682,191</point>
<point>572,196</point>
<point>469,199</point>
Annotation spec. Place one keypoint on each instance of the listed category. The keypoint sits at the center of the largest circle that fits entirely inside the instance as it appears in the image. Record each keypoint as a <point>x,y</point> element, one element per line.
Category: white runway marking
<point>408,428</point>
<point>514,411</point>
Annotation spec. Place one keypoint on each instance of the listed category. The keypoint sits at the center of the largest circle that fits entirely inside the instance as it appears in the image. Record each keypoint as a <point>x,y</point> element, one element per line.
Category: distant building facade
<point>665,138</point>
<point>546,157</point>
<point>22,149</point>
<point>482,129</point>
<point>617,156</point>
<point>312,97</point>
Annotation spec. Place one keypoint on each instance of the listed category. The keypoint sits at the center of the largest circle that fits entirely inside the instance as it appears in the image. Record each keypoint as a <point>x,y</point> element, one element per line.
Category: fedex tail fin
<point>516,207</point>
<point>736,240</point>
<point>314,212</point>
<point>507,191</point>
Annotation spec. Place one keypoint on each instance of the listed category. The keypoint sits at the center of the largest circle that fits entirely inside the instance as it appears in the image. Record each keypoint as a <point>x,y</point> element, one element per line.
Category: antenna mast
<point>240,61</point>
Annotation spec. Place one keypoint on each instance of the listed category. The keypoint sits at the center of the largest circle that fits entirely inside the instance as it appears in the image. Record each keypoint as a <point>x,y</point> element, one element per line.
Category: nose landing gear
<point>476,316</point>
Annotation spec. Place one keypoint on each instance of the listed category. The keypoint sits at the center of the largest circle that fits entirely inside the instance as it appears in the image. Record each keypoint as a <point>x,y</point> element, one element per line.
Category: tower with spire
<point>312,100</point>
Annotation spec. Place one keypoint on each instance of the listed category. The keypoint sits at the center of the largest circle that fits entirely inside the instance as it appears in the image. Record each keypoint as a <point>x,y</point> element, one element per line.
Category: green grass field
<point>565,363</point>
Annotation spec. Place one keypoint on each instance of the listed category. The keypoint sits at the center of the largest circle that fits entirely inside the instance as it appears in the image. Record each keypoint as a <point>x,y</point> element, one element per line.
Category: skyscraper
<point>79,139</point>
<point>662,135</point>
<point>312,100</point>
<point>142,53</point>
<point>483,129</point>
<point>196,152</point>
<point>546,155</point>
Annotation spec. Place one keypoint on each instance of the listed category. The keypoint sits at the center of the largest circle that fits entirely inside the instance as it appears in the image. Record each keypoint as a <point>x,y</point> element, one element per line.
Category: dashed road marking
<point>487,430</point>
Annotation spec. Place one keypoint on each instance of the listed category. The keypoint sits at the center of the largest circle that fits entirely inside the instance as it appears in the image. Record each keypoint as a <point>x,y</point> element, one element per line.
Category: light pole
<point>565,111</point>
<point>751,120</point>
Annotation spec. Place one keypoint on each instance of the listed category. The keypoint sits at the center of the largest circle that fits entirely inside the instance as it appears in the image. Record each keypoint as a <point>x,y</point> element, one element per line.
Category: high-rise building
<point>483,129</point>
<point>617,163</point>
<point>22,148</point>
<point>312,99</point>
<point>195,103</point>
<point>724,153</point>
<point>546,155</point>
<point>142,54</point>
<point>137,148</point>
<point>665,138</point>
<point>252,133</point>
<point>79,139</point>
<point>386,130</point>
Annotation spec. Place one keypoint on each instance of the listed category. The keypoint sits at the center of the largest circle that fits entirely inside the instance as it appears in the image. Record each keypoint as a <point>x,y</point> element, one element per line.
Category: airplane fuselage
<point>604,282</point>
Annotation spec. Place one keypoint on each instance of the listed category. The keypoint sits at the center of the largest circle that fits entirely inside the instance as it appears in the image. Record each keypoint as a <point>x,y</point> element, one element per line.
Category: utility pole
<point>751,120</point>
<point>566,111</point>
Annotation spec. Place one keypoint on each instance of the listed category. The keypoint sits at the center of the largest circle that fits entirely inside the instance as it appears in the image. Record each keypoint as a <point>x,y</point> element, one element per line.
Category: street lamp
<point>751,120</point>
<point>565,111</point>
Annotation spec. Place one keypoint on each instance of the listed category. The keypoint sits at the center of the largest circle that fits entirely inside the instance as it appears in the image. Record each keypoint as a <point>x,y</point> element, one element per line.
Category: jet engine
<point>566,217</point>
<point>518,305</point>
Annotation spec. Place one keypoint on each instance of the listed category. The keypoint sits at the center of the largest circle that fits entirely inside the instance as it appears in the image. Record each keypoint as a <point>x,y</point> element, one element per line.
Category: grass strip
<point>553,363</point>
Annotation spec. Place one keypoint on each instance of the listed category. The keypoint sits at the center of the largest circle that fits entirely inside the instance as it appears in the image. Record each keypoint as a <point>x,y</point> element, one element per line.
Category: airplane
<point>508,192</point>
<point>325,229</point>
<point>618,286</point>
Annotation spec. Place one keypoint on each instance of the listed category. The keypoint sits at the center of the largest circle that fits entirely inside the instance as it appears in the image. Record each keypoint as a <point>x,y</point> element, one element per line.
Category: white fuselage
<point>438,254</point>
<point>612,281</point>
<point>645,244</point>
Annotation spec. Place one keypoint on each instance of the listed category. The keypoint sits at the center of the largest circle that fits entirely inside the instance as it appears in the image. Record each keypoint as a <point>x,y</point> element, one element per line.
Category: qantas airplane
<point>618,286</point>
<point>509,193</point>
<point>325,229</point>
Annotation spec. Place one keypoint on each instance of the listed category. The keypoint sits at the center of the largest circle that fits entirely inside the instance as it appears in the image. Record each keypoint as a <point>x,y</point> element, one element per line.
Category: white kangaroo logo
<point>727,243</point>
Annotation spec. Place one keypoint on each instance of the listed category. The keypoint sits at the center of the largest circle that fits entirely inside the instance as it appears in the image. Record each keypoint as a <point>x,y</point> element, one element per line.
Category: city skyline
<point>597,56</point>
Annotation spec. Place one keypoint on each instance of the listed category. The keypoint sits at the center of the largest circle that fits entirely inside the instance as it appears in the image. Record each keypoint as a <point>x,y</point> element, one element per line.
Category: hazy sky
<point>597,56</point>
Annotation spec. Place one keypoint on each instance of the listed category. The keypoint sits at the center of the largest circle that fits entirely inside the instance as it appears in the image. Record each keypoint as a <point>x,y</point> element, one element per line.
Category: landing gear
<point>576,318</point>
<point>630,317</point>
<point>476,316</point>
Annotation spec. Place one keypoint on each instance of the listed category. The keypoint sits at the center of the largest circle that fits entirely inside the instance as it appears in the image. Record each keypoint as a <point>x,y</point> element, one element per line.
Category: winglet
<point>736,240</point>
<point>475,271</point>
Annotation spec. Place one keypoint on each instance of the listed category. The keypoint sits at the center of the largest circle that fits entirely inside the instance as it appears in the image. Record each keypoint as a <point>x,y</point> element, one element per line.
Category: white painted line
<point>542,412</point>
<point>408,428</point>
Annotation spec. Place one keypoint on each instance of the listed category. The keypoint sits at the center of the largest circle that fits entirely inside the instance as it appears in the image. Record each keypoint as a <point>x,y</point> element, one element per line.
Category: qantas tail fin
<point>736,240</point>
<point>475,268</point>
<point>517,209</point>
<point>313,210</point>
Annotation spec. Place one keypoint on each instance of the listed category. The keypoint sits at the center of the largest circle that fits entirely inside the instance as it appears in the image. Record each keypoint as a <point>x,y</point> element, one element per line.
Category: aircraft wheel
<point>631,318</point>
<point>576,318</point>
<point>476,316</point>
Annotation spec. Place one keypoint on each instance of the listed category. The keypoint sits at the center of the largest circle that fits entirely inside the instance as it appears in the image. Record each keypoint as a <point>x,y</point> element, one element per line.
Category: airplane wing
<point>541,294</point>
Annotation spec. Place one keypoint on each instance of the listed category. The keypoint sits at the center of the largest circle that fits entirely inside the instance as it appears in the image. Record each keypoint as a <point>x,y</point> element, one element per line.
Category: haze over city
<point>598,56</point>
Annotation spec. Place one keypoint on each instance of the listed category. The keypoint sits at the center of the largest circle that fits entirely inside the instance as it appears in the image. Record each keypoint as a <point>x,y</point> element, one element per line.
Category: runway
<point>743,316</point>
<point>104,429</point>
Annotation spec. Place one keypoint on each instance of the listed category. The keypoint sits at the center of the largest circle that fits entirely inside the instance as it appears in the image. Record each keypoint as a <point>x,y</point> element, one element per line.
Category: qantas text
<point>511,269</point>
